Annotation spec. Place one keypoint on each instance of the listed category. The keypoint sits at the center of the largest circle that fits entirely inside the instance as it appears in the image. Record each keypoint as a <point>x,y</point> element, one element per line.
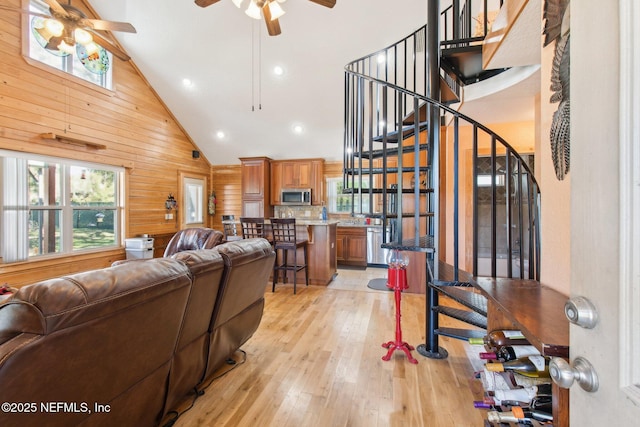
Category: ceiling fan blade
<point>325,3</point>
<point>56,7</point>
<point>98,24</point>
<point>24,11</point>
<point>273,25</point>
<point>205,3</point>
<point>115,50</point>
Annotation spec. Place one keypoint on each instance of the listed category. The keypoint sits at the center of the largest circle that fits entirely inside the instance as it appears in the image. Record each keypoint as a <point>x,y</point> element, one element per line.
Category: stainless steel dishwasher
<point>375,254</point>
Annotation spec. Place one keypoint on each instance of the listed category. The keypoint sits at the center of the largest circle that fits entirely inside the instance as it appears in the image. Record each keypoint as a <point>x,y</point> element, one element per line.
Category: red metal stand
<point>397,280</point>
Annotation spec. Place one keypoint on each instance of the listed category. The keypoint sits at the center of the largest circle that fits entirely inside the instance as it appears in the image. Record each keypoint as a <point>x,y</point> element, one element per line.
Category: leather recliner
<point>131,340</point>
<point>193,238</point>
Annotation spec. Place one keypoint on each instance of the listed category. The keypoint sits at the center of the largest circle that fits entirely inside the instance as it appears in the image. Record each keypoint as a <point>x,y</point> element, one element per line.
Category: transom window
<point>57,206</point>
<point>89,62</point>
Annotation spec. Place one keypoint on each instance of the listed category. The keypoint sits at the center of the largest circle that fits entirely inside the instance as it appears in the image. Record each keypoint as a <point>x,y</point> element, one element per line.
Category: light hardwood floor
<point>316,361</point>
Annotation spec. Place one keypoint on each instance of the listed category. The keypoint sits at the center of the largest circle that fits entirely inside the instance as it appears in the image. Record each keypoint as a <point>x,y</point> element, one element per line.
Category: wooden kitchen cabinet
<point>296,174</point>
<point>351,246</point>
<point>317,182</point>
<point>276,182</point>
<point>256,187</point>
<point>302,173</point>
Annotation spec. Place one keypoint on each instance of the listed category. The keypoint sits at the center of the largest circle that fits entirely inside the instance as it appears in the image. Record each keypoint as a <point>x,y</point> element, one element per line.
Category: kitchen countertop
<point>359,224</point>
<point>311,221</point>
<point>316,222</point>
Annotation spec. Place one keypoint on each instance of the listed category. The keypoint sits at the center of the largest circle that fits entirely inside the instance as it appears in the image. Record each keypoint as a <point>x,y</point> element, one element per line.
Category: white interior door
<point>605,206</point>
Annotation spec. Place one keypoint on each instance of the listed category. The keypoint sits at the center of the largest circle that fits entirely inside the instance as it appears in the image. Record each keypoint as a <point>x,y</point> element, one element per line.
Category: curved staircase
<point>415,157</point>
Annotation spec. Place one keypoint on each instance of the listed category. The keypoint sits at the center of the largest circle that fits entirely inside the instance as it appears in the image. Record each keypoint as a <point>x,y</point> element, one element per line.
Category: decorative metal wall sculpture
<point>556,28</point>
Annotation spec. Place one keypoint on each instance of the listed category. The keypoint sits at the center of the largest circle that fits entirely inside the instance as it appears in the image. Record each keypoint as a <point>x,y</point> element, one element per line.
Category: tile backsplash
<point>302,212</point>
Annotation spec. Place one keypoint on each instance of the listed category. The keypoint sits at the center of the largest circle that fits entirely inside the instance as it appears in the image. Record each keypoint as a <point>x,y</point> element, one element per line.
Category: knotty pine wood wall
<point>138,130</point>
<point>226,181</point>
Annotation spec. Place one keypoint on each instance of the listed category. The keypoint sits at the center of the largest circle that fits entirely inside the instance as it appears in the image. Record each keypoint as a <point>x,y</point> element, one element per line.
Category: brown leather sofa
<point>123,345</point>
<point>193,238</point>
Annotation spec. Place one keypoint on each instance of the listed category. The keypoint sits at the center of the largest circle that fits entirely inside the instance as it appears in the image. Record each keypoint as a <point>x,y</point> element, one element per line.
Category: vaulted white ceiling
<point>229,60</point>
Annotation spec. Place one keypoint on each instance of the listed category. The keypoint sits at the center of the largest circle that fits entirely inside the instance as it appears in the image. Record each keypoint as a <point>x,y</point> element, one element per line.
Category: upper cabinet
<point>303,173</point>
<point>317,182</point>
<point>296,174</point>
<point>256,186</point>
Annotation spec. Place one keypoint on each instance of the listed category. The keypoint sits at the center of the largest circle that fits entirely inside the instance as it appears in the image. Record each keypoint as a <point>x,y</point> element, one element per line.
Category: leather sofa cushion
<point>193,238</point>
<point>45,307</point>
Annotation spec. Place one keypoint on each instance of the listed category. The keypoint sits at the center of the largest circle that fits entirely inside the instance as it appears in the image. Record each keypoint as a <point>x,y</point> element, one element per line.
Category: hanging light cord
<point>253,38</point>
<point>260,67</point>
<point>253,67</point>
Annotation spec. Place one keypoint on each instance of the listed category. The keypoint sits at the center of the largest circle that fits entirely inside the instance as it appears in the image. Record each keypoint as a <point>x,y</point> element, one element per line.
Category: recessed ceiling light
<point>298,129</point>
<point>220,134</point>
<point>187,82</point>
<point>278,70</point>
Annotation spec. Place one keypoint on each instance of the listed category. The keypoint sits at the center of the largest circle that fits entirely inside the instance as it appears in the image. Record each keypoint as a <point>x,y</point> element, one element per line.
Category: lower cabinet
<point>351,246</point>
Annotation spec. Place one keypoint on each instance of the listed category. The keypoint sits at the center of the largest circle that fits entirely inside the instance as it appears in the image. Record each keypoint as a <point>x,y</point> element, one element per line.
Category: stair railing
<point>459,20</point>
<point>377,129</point>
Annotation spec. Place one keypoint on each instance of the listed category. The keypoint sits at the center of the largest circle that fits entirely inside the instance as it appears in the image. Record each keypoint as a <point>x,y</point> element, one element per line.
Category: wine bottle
<point>500,338</point>
<point>525,395</point>
<point>530,366</point>
<point>510,352</point>
<point>535,396</point>
<point>518,415</point>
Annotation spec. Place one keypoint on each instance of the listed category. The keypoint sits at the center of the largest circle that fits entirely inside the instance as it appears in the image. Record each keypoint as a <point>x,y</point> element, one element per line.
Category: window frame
<point>333,194</point>
<point>65,207</point>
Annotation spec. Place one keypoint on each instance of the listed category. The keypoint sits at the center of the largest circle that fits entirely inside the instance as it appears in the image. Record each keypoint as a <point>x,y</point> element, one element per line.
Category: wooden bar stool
<point>229,228</point>
<point>253,227</point>
<point>285,240</point>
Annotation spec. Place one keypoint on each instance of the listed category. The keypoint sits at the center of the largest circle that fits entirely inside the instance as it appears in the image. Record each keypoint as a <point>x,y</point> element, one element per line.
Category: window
<point>55,206</point>
<point>193,199</point>
<point>89,62</point>
<point>345,203</point>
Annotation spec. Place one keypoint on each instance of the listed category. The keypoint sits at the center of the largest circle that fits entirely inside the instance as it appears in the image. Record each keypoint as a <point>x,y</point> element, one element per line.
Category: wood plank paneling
<point>139,132</point>
<point>227,183</point>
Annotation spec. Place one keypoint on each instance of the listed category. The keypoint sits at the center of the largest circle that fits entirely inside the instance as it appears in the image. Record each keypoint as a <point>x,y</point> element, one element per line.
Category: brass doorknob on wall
<point>582,372</point>
<point>580,311</point>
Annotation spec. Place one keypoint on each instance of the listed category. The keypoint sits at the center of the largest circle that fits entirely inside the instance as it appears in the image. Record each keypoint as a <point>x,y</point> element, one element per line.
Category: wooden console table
<point>537,311</point>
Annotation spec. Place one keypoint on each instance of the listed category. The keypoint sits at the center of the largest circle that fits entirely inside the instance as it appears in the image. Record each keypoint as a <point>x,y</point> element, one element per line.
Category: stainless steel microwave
<point>295,196</point>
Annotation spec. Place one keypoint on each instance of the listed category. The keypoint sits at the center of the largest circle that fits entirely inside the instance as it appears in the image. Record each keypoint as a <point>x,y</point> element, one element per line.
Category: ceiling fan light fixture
<point>82,36</point>
<point>276,10</point>
<point>253,10</point>
<point>54,27</point>
<point>91,48</point>
<point>66,47</point>
<point>44,33</point>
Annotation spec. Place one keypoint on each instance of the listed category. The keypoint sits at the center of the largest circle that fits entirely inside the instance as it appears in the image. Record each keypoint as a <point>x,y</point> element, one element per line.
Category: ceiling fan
<point>271,10</point>
<point>67,25</point>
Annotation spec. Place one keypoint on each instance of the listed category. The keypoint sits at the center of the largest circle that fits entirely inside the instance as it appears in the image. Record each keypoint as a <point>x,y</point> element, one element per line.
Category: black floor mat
<point>378,284</point>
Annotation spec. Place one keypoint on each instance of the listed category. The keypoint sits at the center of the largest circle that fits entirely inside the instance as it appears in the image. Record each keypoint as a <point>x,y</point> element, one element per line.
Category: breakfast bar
<point>321,251</point>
